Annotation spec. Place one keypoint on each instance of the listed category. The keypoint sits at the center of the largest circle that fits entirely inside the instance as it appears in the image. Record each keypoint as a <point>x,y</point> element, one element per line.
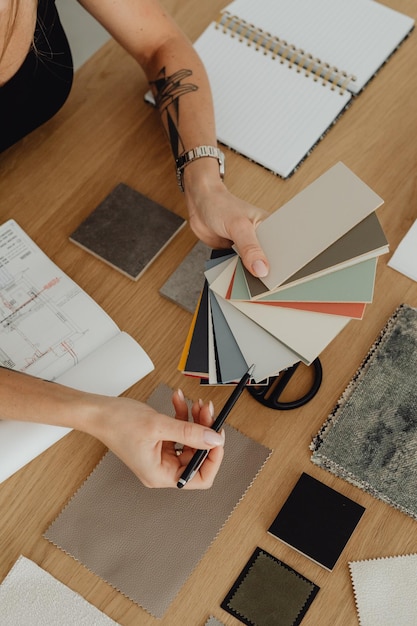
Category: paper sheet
<point>404,259</point>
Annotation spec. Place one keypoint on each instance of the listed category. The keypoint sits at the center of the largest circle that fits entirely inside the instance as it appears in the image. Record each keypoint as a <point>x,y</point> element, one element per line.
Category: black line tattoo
<point>167,91</point>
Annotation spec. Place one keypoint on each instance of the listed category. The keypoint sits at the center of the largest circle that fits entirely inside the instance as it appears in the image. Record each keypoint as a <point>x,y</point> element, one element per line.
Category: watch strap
<point>197,153</point>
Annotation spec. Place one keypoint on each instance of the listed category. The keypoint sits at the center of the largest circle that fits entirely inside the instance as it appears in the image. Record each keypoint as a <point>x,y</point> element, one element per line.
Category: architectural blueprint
<point>52,329</point>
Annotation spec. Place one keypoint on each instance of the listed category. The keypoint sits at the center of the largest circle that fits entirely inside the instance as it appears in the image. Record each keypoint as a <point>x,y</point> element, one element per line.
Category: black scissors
<point>269,394</point>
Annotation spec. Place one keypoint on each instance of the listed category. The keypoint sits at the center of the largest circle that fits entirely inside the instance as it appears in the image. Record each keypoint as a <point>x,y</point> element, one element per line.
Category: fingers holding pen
<point>204,478</point>
<point>202,413</point>
<point>213,442</point>
<point>192,434</point>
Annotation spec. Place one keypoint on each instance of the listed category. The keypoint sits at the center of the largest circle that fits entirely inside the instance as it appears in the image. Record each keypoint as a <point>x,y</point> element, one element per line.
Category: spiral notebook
<point>282,71</point>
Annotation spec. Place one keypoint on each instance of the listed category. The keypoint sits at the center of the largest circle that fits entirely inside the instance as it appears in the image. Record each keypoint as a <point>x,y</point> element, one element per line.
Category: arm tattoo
<point>167,92</point>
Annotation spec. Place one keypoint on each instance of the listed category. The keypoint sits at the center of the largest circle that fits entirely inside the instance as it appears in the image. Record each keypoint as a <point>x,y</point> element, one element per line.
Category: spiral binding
<point>287,53</point>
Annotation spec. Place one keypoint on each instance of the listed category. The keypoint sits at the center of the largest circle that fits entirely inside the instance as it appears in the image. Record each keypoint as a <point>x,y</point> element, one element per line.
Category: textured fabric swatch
<point>386,590</point>
<point>213,621</point>
<point>269,593</point>
<point>316,520</point>
<point>29,596</point>
<point>146,542</point>
<point>370,438</point>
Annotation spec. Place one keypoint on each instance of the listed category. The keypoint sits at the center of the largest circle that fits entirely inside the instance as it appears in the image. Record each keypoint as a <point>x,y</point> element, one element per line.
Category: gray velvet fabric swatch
<point>146,542</point>
<point>127,230</point>
<point>370,438</point>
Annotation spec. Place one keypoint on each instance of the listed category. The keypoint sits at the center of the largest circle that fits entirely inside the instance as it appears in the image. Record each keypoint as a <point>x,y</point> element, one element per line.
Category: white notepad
<point>274,100</point>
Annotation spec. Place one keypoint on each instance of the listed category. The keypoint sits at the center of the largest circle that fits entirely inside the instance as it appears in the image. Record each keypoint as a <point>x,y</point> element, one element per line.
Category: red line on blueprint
<point>68,348</point>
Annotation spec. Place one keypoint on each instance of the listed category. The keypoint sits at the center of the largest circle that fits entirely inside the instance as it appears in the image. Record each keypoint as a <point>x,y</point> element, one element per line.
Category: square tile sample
<point>316,520</point>
<point>127,230</point>
<point>183,287</point>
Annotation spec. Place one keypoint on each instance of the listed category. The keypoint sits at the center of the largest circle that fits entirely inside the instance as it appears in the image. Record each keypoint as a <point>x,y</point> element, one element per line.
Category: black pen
<point>200,455</point>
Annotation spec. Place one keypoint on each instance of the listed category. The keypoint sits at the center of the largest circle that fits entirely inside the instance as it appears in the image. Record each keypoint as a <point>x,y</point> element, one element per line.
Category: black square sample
<point>316,520</point>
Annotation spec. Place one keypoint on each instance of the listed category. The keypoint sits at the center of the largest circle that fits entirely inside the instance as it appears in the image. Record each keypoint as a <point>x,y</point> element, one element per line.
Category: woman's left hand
<point>221,219</point>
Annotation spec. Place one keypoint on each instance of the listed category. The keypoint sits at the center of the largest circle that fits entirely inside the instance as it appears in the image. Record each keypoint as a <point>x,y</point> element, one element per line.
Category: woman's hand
<point>145,440</point>
<point>219,218</point>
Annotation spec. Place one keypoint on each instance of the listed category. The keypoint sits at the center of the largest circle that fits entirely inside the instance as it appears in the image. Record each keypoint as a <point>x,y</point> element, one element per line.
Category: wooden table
<point>53,179</point>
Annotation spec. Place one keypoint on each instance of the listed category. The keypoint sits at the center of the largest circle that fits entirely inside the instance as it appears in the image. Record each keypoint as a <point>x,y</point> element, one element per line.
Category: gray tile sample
<point>127,230</point>
<point>184,286</point>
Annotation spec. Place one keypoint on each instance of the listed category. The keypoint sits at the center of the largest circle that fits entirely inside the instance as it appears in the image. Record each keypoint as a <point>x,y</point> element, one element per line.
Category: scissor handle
<point>269,395</point>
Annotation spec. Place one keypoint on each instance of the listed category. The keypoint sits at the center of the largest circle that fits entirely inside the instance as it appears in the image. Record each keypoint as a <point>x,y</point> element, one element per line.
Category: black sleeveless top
<point>42,83</point>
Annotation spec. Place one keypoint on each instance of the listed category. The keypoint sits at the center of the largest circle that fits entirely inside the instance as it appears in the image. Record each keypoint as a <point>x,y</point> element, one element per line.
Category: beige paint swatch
<point>313,220</point>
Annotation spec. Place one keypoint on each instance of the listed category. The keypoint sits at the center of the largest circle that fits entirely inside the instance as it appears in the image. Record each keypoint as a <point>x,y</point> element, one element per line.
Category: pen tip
<point>251,369</point>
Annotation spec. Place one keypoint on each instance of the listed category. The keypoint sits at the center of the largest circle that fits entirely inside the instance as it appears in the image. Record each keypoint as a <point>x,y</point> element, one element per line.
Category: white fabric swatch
<point>213,621</point>
<point>386,590</point>
<point>31,596</point>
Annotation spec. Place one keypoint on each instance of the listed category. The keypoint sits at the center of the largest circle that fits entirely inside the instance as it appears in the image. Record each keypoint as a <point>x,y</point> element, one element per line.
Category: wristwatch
<point>197,153</point>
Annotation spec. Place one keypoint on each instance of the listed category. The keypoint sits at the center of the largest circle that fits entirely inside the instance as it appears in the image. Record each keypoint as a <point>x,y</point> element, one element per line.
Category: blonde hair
<point>11,15</point>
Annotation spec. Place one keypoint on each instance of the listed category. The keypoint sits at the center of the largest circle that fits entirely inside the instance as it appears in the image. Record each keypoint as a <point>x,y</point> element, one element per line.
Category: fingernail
<point>180,393</point>
<point>212,438</point>
<point>200,403</point>
<point>260,269</point>
<point>211,408</point>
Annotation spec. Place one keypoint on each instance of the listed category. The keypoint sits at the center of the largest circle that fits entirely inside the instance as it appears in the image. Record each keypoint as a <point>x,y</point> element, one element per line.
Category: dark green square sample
<point>269,593</point>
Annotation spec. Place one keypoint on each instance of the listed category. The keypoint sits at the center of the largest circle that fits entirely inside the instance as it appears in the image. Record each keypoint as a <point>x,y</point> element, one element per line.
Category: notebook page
<point>110,370</point>
<point>356,36</point>
<point>264,109</point>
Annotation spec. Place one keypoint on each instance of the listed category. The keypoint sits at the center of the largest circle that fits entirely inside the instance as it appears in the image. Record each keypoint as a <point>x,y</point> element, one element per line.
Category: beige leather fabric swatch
<point>146,542</point>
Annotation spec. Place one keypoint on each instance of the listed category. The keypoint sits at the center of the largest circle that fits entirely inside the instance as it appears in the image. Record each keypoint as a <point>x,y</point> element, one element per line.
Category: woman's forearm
<point>30,399</point>
<point>183,97</point>
<point>140,436</point>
